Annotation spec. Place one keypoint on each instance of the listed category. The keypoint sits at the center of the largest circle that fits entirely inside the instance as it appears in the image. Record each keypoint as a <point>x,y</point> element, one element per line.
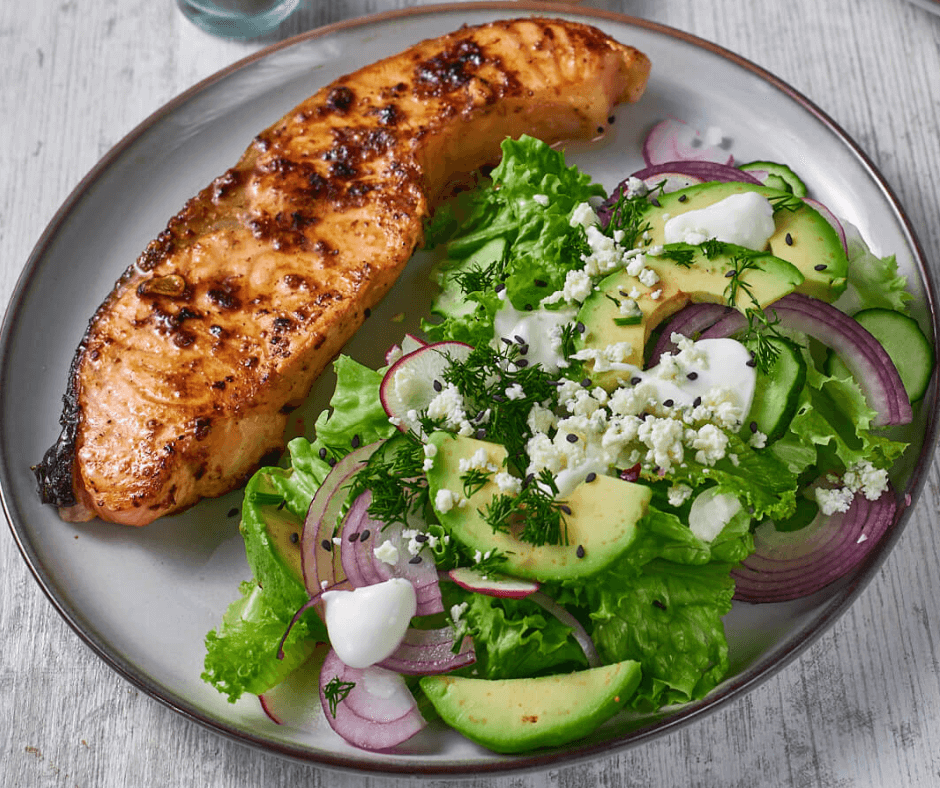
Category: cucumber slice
<point>903,341</point>
<point>777,392</point>
<point>777,174</point>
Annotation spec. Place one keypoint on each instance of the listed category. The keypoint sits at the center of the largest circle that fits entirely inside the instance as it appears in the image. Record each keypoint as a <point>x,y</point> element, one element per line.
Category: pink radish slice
<point>489,585</point>
<point>789,565</point>
<point>414,380</point>
<point>689,322</point>
<point>375,711</point>
<point>830,217</point>
<point>321,564</point>
<point>408,345</point>
<point>673,140</point>
<point>362,536</point>
<point>425,652</point>
<point>866,359</point>
<point>293,701</point>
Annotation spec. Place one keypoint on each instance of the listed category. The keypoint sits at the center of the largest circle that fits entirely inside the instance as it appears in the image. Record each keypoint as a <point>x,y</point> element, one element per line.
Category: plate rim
<point>730,689</point>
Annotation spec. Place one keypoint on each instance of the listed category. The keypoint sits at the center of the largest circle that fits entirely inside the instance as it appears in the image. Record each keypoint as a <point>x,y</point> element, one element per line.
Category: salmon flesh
<point>187,372</point>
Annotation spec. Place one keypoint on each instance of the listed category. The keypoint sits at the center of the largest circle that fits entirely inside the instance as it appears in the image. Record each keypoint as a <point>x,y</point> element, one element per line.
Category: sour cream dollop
<point>743,219</point>
<point>367,624</point>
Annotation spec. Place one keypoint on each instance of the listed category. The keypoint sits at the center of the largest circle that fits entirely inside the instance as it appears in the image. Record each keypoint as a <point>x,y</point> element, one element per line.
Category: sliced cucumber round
<point>777,391</point>
<point>777,175</point>
<point>905,344</point>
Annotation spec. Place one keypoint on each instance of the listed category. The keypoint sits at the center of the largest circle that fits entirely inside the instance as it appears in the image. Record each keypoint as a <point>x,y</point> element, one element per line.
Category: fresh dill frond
<point>760,330</point>
<point>785,202</point>
<point>337,691</point>
<point>628,216</point>
<point>680,254</point>
<point>394,474</point>
<point>575,244</point>
<point>478,278</point>
<point>474,480</point>
<point>536,508</point>
<point>713,248</point>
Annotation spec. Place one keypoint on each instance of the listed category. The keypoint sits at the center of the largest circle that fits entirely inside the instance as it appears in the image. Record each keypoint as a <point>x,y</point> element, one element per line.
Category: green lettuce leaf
<point>872,281</point>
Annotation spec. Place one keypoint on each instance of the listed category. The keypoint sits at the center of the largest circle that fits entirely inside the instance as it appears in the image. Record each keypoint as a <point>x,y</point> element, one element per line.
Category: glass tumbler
<point>237,18</point>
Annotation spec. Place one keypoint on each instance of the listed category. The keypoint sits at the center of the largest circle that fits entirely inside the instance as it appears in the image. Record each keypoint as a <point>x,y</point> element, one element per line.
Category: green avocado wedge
<point>802,235</point>
<point>601,526</point>
<point>517,715</point>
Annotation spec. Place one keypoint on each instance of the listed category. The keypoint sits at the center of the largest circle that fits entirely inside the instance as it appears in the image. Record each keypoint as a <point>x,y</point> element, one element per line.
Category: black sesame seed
<point>571,437</point>
<point>480,434</point>
<point>356,441</point>
<point>281,505</point>
<point>600,129</point>
<point>294,537</point>
<point>692,376</point>
<point>523,349</point>
<point>635,380</point>
<point>529,479</point>
<point>331,462</point>
<point>232,512</point>
<point>696,402</point>
<point>751,363</point>
<point>500,287</point>
<point>528,307</point>
<point>580,328</point>
<point>521,362</point>
<point>519,340</point>
<point>590,477</point>
<point>415,560</point>
<point>367,312</point>
<point>322,454</point>
<point>506,341</point>
<point>580,551</point>
<point>611,119</point>
<point>565,508</point>
<point>437,385</point>
<point>655,203</point>
<point>354,537</point>
<point>586,383</point>
<point>753,426</point>
<point>364,535</point>
<point>683,197</point>
<point>820,267</point>
<point>789,239</point>
<point>668,403</point>
<point>327,545</point>
<point>660,605</point>
<point>421,537</point>
<point>729,274</point>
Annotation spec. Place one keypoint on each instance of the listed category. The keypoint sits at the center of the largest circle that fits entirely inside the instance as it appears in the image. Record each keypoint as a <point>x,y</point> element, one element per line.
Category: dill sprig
<point>680,254</point>
<point>394,474</point>
<point>474,480</point>
<point>759,326</point>
<point>536,508</point>
<point>628,216</point>
<point>478,278</point>
<point>785,202</point>
<point>337,691</point>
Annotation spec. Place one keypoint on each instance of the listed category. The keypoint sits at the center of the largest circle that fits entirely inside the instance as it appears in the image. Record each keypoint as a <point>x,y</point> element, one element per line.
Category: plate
<point>144,599</point>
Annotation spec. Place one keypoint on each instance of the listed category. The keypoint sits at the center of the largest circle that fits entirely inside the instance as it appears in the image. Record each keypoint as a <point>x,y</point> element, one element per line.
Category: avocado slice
<point>602,524</point>
<point>802,237</point>
<point>516,715</point>
<point>686,274</point>
<point>272,534</point>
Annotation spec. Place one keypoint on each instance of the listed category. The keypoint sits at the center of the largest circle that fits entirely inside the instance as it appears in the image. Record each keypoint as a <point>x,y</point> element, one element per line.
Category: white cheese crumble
<point>387,553</point>
<point>541,199</point>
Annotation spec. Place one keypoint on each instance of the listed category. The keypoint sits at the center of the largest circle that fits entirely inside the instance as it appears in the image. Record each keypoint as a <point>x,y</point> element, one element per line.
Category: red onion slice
<point>790,565</point>
<point>320,562</point>
<point>688,321</point>
<point>673,140</point>
<point>365,568</point>
<point>425,652</point>
<point>866,359</point>
<point>695,170</point>
<point>375,710</point>
<point>577,631</point>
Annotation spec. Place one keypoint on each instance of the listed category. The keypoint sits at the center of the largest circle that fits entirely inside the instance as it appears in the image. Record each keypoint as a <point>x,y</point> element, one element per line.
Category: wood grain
<point>860,708</point>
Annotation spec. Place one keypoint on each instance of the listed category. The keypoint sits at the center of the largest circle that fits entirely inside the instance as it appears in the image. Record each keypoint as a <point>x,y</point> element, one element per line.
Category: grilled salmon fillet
<point>187,371</point>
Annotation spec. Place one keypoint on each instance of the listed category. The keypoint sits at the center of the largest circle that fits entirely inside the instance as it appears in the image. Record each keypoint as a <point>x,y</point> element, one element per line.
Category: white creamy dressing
<point>367,624</point>
<point>743,219</point>
<point>540,329</point>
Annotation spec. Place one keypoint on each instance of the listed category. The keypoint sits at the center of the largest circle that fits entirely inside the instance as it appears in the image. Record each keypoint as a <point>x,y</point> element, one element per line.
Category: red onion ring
<point>866,359</point>
<point>790,565</point>
<point>425,652</point>
<point>688,321</point>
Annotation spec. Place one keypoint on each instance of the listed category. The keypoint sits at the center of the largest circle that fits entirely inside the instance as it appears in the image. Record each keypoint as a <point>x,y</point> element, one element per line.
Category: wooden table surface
<point>861,707</point>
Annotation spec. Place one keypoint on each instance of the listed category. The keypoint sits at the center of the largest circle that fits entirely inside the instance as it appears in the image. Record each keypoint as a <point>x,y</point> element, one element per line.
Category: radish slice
<point>292,702</point>
<point>789,565</point>
<point>489,585</point>
<point>672,140</point>
<point>830,217</point>
<point>689,322</point>
<point>409,344</point>
<point>362,537</point>
<point>866,359</point>
<point>577,630</point>
<point>415,379</point>
<point>425,652</point>
<point>321,564</point>
<point>370,708</point>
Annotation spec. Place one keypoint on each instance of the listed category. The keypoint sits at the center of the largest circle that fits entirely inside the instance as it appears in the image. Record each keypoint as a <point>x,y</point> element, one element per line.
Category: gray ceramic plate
<point>144,599</point>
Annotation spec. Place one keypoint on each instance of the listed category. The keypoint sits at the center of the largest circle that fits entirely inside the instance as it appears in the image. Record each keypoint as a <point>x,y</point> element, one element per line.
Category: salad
<point>624,412</point>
